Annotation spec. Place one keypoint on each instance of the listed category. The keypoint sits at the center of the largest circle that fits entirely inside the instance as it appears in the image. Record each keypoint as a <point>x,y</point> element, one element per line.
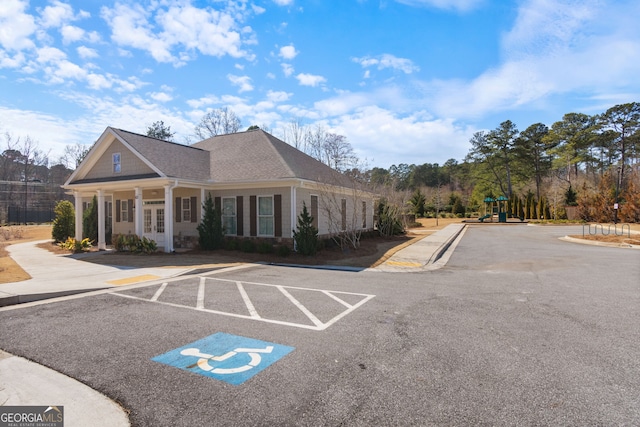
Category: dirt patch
<point>9,270</point>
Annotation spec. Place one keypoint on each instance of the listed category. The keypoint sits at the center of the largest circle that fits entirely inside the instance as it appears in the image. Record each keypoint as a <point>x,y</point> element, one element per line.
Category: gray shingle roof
<point>174,160</point>
<point>258,156</point>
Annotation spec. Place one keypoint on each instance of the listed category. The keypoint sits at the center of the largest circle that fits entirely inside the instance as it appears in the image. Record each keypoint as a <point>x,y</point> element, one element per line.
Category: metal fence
<point>31,215</point>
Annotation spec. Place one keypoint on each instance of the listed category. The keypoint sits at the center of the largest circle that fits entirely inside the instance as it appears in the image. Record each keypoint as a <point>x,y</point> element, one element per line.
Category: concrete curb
<point>29,383</point>
<point>596,243</point>
<point>21,299</point>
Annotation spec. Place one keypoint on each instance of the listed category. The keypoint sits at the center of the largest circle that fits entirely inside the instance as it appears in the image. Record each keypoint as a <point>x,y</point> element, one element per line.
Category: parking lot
<point>518,328</point>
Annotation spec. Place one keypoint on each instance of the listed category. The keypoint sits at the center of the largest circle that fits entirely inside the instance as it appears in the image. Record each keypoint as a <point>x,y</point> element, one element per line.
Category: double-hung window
<point>265,216</point>
<point>229,218</point>
<point>124,210</point>
<point>117,167</point>
<point>186,209</point>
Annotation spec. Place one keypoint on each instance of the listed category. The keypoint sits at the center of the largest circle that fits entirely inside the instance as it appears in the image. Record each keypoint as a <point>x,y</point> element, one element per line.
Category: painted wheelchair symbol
<point>203,362</point>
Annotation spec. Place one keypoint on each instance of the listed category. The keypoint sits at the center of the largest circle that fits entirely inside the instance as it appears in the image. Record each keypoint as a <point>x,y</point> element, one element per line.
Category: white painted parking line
<point>200,300</point>
<point>159,292</point>
<point>318,304</point>
<point>247,301</point>
<point>302,308</point>
<point>330,295</point>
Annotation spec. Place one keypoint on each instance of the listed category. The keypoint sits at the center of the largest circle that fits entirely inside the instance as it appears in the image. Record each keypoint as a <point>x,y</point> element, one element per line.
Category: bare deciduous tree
<point>218,122</point>
<point>73,155</point>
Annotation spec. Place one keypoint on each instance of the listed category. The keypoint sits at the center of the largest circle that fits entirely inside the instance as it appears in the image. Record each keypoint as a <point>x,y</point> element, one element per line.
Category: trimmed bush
<point>134,244</point>
<point>65,222</point>
<point>248,246</point>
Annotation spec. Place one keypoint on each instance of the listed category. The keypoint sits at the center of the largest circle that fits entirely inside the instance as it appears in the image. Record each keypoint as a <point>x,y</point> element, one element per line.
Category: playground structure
<point>495,208</point>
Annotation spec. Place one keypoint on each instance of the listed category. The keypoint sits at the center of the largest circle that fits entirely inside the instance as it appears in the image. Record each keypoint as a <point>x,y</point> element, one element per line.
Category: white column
<point>138,212</point>
<point>168,218</point>
<point>102,243</point>
<point>78,206</point>
<point>294,217</point>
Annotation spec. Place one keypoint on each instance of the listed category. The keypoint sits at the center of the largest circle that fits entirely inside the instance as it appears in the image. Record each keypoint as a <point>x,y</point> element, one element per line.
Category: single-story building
<point>156,189</point>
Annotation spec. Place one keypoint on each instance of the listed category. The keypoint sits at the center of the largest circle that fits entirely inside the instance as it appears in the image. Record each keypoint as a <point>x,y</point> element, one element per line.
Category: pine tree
<point>210,230</point>
<point>90,221</point>
<point>306,236</point>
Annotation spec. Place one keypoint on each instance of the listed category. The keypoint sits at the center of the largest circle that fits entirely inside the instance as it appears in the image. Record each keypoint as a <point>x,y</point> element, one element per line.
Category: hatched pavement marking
<point>318,325</point>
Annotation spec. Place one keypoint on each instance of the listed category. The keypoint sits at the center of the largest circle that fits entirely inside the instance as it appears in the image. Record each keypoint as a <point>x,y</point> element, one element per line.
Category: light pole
<point>615,205</point>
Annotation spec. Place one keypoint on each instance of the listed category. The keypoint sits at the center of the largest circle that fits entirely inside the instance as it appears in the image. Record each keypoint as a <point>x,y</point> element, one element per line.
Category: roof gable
<point>141,156</point>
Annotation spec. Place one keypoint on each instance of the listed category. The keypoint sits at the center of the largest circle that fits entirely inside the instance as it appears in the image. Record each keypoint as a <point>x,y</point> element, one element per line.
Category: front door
<point>153,217</point>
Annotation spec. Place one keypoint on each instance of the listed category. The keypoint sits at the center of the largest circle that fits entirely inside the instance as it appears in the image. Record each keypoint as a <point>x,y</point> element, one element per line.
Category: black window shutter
<point>178,209</point>
<point>239,216</point>
<point>314,210</point>
<point>253,217</point>
<point>117,210</point>
<point>194,209</point>
<point>277,214</point>
<point>217,204</point>
<point>131,209</point>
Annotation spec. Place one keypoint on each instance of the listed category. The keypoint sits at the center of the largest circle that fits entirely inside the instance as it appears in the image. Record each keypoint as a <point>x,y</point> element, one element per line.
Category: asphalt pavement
<point>23,382</point>
<point>517,328</point>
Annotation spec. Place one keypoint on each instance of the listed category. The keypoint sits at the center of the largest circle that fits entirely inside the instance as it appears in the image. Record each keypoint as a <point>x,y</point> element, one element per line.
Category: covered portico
<point>145,208</point>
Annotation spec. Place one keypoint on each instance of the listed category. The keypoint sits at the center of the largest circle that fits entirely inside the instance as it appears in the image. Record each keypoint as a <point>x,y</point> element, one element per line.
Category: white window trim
<point>235,213</point>
<point>272,216</point>
<point>124,210</point>
<point>185,213</point>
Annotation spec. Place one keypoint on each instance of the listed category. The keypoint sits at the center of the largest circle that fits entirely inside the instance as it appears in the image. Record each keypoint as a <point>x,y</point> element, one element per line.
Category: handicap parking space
<point>229,358</point>
<point>294,306</point>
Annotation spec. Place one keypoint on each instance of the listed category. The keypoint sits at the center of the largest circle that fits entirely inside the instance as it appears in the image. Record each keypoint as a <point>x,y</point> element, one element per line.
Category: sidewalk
<point>425,254</point>
<point>60,275</point>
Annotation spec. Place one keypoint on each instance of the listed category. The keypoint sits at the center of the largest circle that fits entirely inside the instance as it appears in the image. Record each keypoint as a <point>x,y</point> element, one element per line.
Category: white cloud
<point>459,5</point>
<point>243,82</point>
<point>283,2</point>
<point>555,48</point>
<point>288,52</point>
<point>86,52</point>
<point>161,96</point>
<point>384,138</point>
<point>203,102</point>
<point>56,14</point>
<point>130,27</point>
<point>388,61</point>
<point>287,69</point>
<point>50,54</point>
<point>208,31</point>
<point>98,81</point>
<point>310,79</point>
<point>15,61</point>
<point>278,96</point>
<point>71,33</point>
<point>16,26</point>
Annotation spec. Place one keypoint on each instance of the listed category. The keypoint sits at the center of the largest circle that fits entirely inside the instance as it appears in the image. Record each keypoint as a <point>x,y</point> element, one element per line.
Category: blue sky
<point>406,81</point>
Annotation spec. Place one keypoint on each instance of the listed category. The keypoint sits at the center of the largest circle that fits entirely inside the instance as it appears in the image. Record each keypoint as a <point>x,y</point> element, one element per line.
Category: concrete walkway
<point>428,253</point>
<point>26,383</point>
<point>59,275</point>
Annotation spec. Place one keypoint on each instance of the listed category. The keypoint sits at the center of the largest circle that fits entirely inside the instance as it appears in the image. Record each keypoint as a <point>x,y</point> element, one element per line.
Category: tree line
<point>588,161</point>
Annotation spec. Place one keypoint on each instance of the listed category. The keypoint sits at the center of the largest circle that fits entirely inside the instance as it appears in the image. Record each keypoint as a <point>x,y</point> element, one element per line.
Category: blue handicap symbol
<point>230,358</point>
